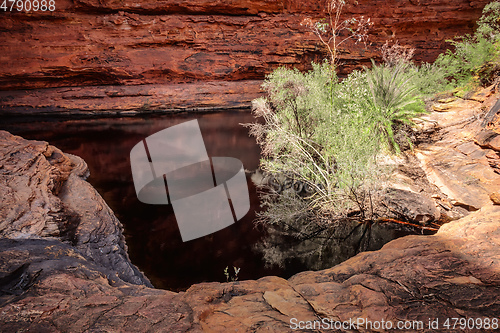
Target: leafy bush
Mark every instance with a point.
(430, 79)
(327, 134)
(427, 79)
(489, 23)
(393, 100)
(462, 65)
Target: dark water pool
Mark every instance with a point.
(151, 231)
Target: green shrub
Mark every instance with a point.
(327, 134)
(300, 99)
(430, 79)
(463, 65)
(489, 23)
(427, 79)
(393, 100)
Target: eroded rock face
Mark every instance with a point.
(31, 174)
(185, 51)
(43, 194)
(463, 161)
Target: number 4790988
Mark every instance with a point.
(28, 5)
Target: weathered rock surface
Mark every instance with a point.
(131, 100)
(85, 46)
(488, 139)
(448, 275)
(411, 206)
(54, 279)
(455, 161)
(43, 194)
(454, 273)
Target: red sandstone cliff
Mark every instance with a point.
(135, 54)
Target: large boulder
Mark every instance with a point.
(410, 206)
(44, 194)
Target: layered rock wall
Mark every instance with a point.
(127, 43)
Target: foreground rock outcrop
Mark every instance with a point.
(64, 266)
(44, 195)
(454, 273)
(106, 56)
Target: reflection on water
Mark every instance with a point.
(151, 231)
